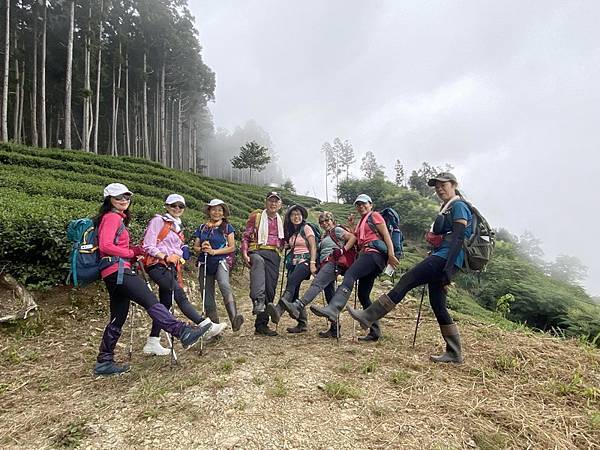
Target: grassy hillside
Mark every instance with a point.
(42, 190)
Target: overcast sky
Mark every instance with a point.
(508, 92)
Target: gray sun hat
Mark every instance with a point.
(216, 202)
(443, 177)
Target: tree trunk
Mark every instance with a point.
(87, 86)
(34, 130)
(98, 73)
(157, 140)
(20, 125)
(15, 133)
(145, 112)
(69, 75)
(179, 135)
(6, 71)
(163, 137)
(115, 115)
(127, 131)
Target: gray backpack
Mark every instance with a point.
(479, 248)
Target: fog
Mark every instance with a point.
(506, 92)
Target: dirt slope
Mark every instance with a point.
(516, 389)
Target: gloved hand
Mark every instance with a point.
(138, 250)
(337, 252)
(186, 252)
(173, 259)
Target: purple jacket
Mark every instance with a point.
(170, 245)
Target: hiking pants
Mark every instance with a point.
(264, 273)
(167, 281)
(134, 289)
(324, 281)
(430, 271)
(222, 279)
(365, 270)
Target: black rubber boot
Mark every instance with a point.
(335, 306)
(258, 306)
(236, 319)
(332, 332)
(213, 315)
(376, 311)
(453, 353)
(294, 308)
(264, 330)
(275, 311)
(302, 325)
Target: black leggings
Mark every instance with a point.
(167, 280)
(430, 271)
(133, 288)
(365, 270)
(296, 276)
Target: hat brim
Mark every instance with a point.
(432, 181)
(273, 196)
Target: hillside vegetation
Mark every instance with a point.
(44, 189)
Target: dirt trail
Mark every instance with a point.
(516, 389)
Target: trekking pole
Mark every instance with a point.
(283, 273)
(419, 316)
(203, 296)
(131, 320)
(173, 270)
(354, 321)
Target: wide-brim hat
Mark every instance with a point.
(217, 202)
(443, 177)
(300, 208)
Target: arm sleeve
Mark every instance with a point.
(106, 237)
(248, 234)
(151, 236)
(458, 236)
(308, 231)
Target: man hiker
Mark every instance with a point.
(262, 243)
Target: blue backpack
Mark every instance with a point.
(86, 263)
(392, 222)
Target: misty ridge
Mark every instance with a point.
(132, 80)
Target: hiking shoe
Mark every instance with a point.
(191, 334)
(153, 347)
(214, 328)
(299, 328)
(265, 331)
(109, 368)
(368, 338)
(258, 306)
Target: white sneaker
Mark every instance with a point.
(153, 347)
(214, 330)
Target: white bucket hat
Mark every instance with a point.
(114, 189)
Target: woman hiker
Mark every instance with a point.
(451, 227)
(336, 254)
(215, 243)
(375, 250)
(300, 264)
(123, 285)
(164, 244)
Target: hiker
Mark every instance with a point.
(335, 255)
(370, 263)
(215, 244)
(123, 285)
(166, 252)
(262, 243)
(451, 227)
(300, 263)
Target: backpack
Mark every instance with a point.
(478, 248)
(86, 263)
(392, 222)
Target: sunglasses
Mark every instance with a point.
(177, 205)
(123, 197)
